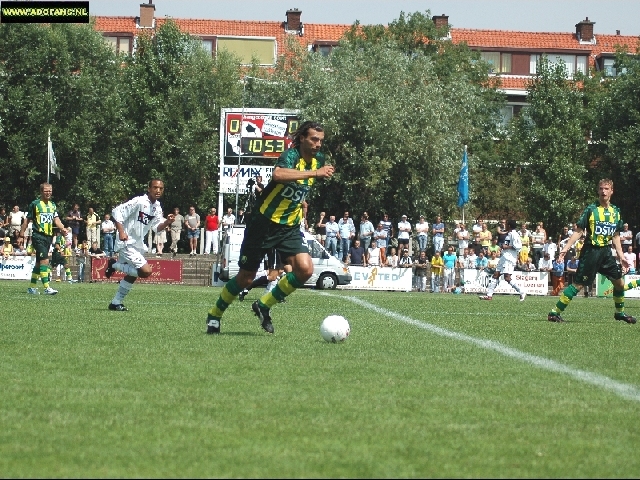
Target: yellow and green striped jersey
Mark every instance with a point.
(600, 224)
(42, 215)
(282, 202)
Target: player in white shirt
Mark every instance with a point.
(507, 263)
(133, 220)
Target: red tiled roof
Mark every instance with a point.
(496, 39)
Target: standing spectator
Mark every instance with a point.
(241, 217)
(404, 233)
(563, 238)
(366, 231)
(374, 258)
(346, 231)
(630, 257)
(485, 238)
(192, 224)
(571, 269)
(43, 213)
(557, 277)
(108, 234)
(550, 247)
(626, 237)
(321, 230)
(15, 220)
(256, 187)
(332, 236)
(537, 243)
(211, 225)
(421, 264)
(92, 222)
(388, 227)
(438, 234)
(176, 229)
(134, 219)
(4, 221)
(638, 242)
(381, 236)
(494, 248)
(356, 255)
(501, 231)
(228, 219)
(392, 258)
(437, 265)
(449, 259)
(161, 239)
(507, 263)
(525, 238)
(463, 239)
(475, 233)
(422, 230)
(74, 219)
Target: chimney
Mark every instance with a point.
(441, 21)
(146, 14)
(618, 32)
(293, 20)
(584, 30)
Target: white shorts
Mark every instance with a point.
(129, 254)
(505, 266)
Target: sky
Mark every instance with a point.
(523, 15)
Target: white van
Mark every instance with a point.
(328, 271)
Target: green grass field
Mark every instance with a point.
(427, 385)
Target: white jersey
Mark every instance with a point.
(137, 217)
(513, 240)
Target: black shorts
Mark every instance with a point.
(57, 258)
(403, 241)
(41, 244)
(274, 260)
(262, 235)
(595, 260)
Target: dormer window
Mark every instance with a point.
(323, 47)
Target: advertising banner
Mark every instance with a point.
(163, 271)
(380, 278)
(16, 268)
(233, 178)
(532, 283)
(604, 288)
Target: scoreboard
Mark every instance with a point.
(256, 133)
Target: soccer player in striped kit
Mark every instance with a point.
(275, 222)
(43, 214)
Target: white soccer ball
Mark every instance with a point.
(335, 328)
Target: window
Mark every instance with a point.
(207, 45)
(262, 49)
(608, 66)
(323, 47)
(573, 63)
(119, 44)
(507, 115)
(501, 62)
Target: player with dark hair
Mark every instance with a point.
(43, 213)
(507, 263)
(133, 220)
(275, 223)
(601, 223)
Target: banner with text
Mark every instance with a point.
(163, 271)
(16, 268)
(379, 278)
(532, 283)
(604, 288)
(232, 176)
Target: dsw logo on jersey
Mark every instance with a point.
(295, 194)
(144, 218)
(605, 229)
(46, 217)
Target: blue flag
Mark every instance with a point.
(463, 182)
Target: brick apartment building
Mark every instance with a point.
(514, 54)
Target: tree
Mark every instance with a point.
(549, 142)
(615, 108)
(399, 104)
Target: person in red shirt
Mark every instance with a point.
(211, 224)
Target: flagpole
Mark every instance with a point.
(48, 155)
(465, 151)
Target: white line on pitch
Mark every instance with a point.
(627, 391)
